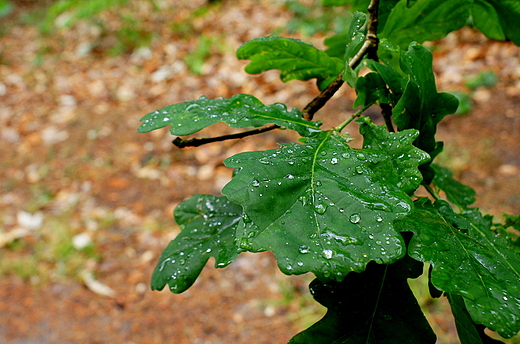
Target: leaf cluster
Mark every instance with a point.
(350, 215)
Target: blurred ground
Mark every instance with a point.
(86, 193)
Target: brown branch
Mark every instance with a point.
(199, 142)
(371, 41)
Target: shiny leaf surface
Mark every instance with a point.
(239, 111)
(318, 206)
(208, 225)
(294, 58)
(468, 260)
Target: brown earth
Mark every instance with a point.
(70, 152)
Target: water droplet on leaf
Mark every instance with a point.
(354, 218)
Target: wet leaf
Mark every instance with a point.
(401, 166)
(239, 111)
(294, 58)
(425, 20)
(318, 206)
(375, 306)
(468, 260)
(355, 38)
(468, 331)
(208, 225)
(456, 192)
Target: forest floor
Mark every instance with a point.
(90, 200)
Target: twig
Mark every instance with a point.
(199, 142)
(371, 40)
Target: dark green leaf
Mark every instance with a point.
(239, 111)
(456, 192)
(208, 225)
(421, 107)
(294, 58)
(370, 89)
(319, 206)
(498, 19)
(401, 166)
(468, 331)
(426, 20)
(355, 39)
(336, 45)
(372, 307)
(468, 260)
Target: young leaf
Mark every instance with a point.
(468, 331)
(375, 306)
(294, 58)
(401, 166)
(208, 225)
(239, 111)
(468, 260)
(425, 20)
(370, 89)
(456, 192)
(319, 206)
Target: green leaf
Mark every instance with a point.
(400, 168)
(456, 192)
(208, 225)
(421, 107)
(468, 331)
(375, 306)
(497, 19)
(294, 58)
(355, 39)
(370, 89)
(468, 260)
(426, 20)
(318, 206)
(239, 111)
(336, 45)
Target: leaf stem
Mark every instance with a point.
(358, 113)
(199, 142)
(369, 46)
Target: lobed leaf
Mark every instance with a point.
(468, 260)
(294, 58)
(355, 38)
(400, 168)
(375, 306)
(425, 20)
(208, 225)
(456, 192)
(468, 331)
(497, 19)
(239, 111)
(318, 206)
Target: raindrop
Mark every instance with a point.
(279, 183)
(334, 161)
(289, 176)
(327, 253)
(354, 218)
(208, 250)
(165, 119)
(320, 208)
(289, 267)
(318, 183)
(360, 156)
(300, 263)
(505, 298)
(304, 249)
(255, 183)
(379, 218)
(264, 161)
(341, 210)
(359, 169)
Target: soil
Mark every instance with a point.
(70, 154)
